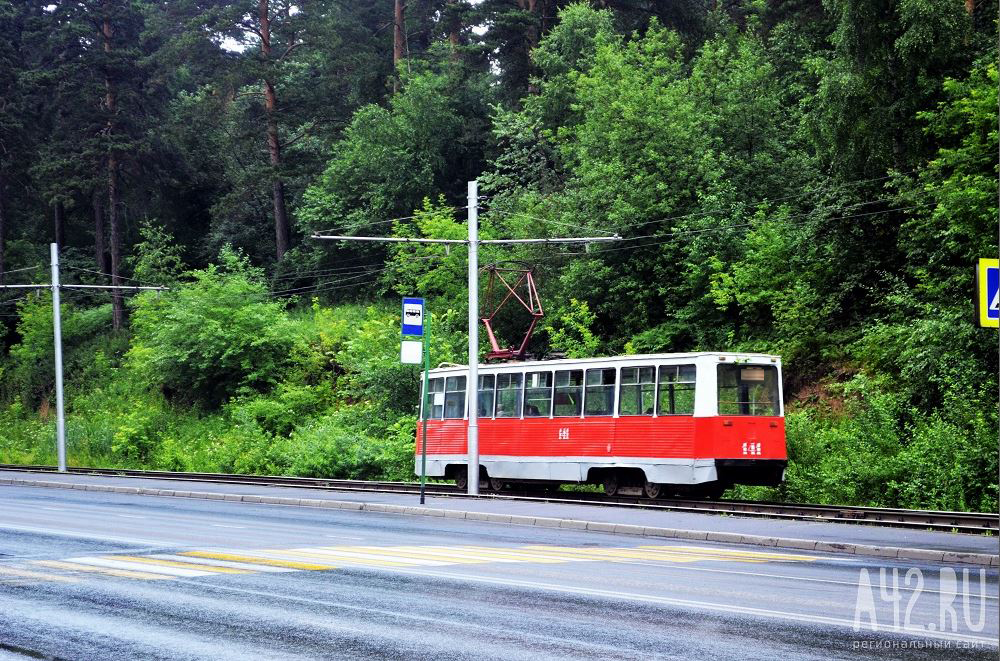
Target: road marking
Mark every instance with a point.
(415, 555)
(516, 555)
(55, 509)
(39, 576)
(132, 516)
(118, 564)
(122, 573)
(207, 562)
(344, 559)
(183, 565)
(222, 525)
(224, 563)
(255, 560)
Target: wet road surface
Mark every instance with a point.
(88, 575)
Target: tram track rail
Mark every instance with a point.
(958, 522)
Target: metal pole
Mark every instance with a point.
(57, 341)
(423, 404)
(472, 386)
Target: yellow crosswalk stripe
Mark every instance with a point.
(480, 554)
(344, 558)
(256, 560)
(524, 554)
(413, 552)
(183, 565)
(121, 573)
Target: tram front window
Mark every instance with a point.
(748, 390)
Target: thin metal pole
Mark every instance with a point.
(423, 406)
(472, 386)
(57, 341)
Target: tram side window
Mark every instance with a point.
(486, 383)
(600, 398)
(569, 393)
(677, 383)
(436, 398)
(508, 395)
(748, 390)
(537, 394)
(638, 391)
(454, 397)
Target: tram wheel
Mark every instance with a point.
(496, 484)
(611, 484)
(462, 478)
(652, 490)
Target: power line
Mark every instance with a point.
(108, 275)
(551, 222)
(669, 237)
(391, 220)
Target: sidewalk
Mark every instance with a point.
(857, 539)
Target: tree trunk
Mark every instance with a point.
(281, 228)
(100, 250)
(398, 39)
(59, 223)
(399, 31)
(531, 36)
(111, 101)
(3, 225)
(454, 29)
(970, 6)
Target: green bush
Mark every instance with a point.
(213, 338)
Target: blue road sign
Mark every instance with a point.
(988, 294)
(413, 316)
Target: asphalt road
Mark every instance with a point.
(88, 575)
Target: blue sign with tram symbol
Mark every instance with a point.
(413, 316)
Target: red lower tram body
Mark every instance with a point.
(695, 454)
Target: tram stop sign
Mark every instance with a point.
(988, 293)
(413, 316)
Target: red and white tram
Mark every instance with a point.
(661, 424)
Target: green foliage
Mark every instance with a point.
(813, 179)
(157, 258)
(570, 332)
(212, 338)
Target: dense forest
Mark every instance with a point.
(812, 178)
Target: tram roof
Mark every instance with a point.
(647, 357)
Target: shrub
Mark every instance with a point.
(215, 337)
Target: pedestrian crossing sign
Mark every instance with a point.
(988, 293)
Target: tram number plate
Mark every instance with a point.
(564, 433)
(751, 449)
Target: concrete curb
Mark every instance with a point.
(930, 555)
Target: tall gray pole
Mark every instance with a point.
(57, 341)
(472, 386)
